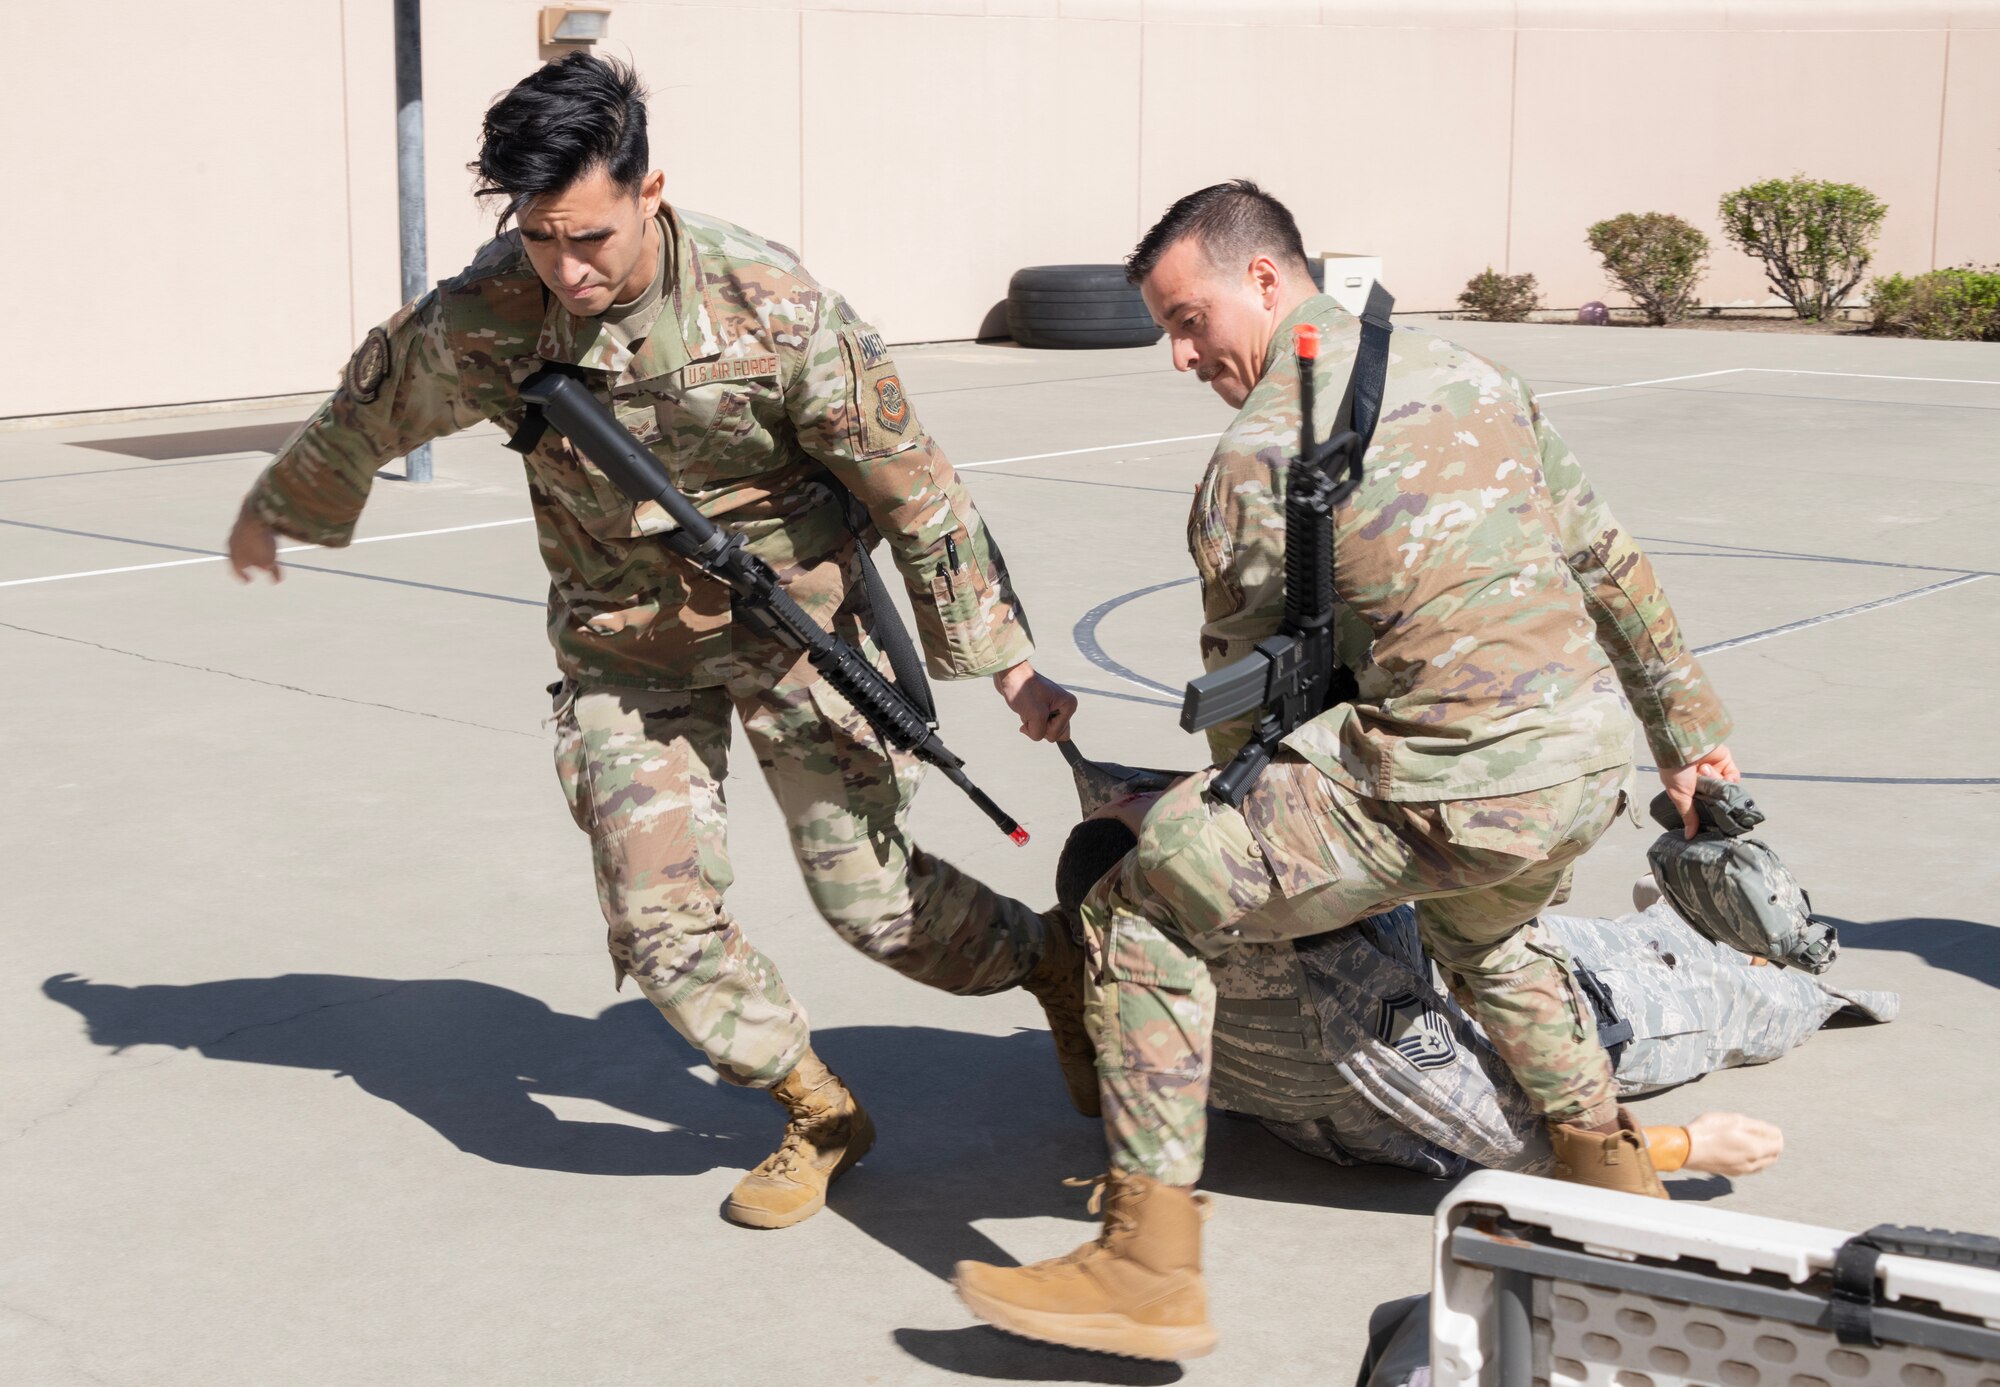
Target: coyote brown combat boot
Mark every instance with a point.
(1136, 1291)
(1057, 982)
(1609, 1160)
(828, 1132)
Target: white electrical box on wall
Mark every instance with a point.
(1349, 277)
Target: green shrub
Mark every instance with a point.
(1960, 304)
(1500, 298)
(1655, 258)
(1812, 236)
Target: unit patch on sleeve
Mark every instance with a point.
(892, 411)
(368, 367)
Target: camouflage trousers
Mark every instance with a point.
(643, 773)
(1304, 856)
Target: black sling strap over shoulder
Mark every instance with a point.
(1360, 410)
(888, 628)
(1361, 404)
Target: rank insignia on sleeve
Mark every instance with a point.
(369, 367)
(891, 409)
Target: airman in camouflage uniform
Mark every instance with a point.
(1492, 609)
(772, 404)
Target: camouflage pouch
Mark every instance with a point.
(1733, 888)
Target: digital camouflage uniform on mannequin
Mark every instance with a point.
(1344, 1046)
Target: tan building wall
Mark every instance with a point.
(204, 190)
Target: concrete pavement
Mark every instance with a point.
(313, 1073)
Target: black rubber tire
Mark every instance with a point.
(1077, 306)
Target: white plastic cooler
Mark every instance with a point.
(1538, 1282)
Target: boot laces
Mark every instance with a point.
(1117, 1218)
(804, 1127)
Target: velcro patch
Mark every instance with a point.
(873, 353)
(1417, 1033)
(368, 367)
(740, 368)
(892, 410)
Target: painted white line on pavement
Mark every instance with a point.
(101, 572)
(1822, 620)
(1762, 371)
(1141, 443)
(287, 549)
(1864, 375)
(1102, 448)
(1635, 384)
(419, 534)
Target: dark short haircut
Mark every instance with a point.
(1234, 221)
(1092, 849)
(556, 125)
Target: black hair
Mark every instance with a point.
(558, 123)
(1234, 221)
(1092, 849)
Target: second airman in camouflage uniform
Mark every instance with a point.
(1493, 610)
(772, 404)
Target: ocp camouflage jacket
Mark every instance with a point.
(756, 388)
(1493, 607)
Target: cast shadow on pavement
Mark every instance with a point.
(972, 1127)
(1957, 946)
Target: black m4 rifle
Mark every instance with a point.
(1292, 677)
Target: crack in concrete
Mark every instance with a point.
(269, 683)
(70, 1103)
(247, 1027)
(518, 953)
(204, 1045)
(64, 1331)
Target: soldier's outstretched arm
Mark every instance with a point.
(1683, 716)
(399, 390)
(847, 401)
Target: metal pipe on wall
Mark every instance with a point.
(410, 177)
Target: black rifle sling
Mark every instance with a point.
(1361, 404)
(1360, 408)
(888, 628)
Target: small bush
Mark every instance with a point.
(1500, 298)
(1960, 304)
(1812, 236)
(1655, 258)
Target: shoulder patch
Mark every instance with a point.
(892, 411)
(368, 367)
(873, 353)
